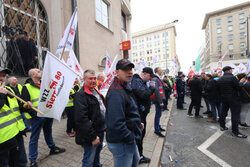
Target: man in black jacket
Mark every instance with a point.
(142, 95)
(122, 118)
(89, 120)
(196, 93)
(229, 88)
(180, 87)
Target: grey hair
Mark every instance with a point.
(88, 72)
(31, 71)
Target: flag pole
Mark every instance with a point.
(68, 35)
(18, 98)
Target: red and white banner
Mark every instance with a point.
(242, 68)
(108, 64)
(68, 35)
(57, 81)
(111, 74)
(73, 63)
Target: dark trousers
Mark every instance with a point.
(180, 100)
(158, 111)
(15, 157)
(234, 107)
(140, 142)
(70, 121)
(37, 124)
(197, 103)
(207, 103)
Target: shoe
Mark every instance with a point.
(190, 115)
(211, 120)
(223, 128)
(162, 130)
(56, 150)
(159, 134)
(244, 125)
(239, 135)
(198, 116)
(70, 134)
(33, 164)
(144, 160)
(207, 112)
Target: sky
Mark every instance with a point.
(190, 13)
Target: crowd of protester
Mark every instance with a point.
(121, 114)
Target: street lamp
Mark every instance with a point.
(167, 70)
(247, 51)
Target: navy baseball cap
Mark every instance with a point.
(227, 68)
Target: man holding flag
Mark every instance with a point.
(30, 93)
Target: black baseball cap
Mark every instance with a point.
(148, 70)
(6, 70)
(123, 63)
(227, 68)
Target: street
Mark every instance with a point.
(194, 142)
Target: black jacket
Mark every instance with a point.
(196, 88)
(180, 85)
(245, 93)
(211, 90)
(122, 117)
(26, 97)
(88, 117)
(229, 87)
(141, 93)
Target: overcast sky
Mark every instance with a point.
(190, 13)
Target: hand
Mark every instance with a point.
(96, 141)
(161, 104)
(28, 105)
(243, 80)
(182, 93)
(3, 89)
(142, 124)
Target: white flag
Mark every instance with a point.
(248, 66)
(235, 69)
(74, 64)
(242, 68)
(57, 81)
(108, 64)
(111, 74)
(68, 35)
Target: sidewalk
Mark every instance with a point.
(74, 153)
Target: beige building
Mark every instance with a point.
(225, 30)
(156, 45)
(102, 26)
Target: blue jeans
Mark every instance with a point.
(158, 111)
(91, 155)
(213, 109)
(37, 124)
(15, 157)
(124, 155)
(25, 122)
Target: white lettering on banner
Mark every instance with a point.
(57, 81)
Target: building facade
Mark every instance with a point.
(226, 32)
(102, 26)
(157, 46)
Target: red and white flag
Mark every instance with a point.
(74, 64)
(112, 73)
(68, 35)
(57, 81)
(222, 58)
(242, 68)
(108, 64)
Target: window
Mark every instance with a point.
(218, 39)
(218, 21)
(218, 30)
(159, 50)
(231, 56)
(230, 28)
(230, 37)
(166, 56)
(241, 16)
(242, 35)
(242, 25)
(230, 47)
(229, 18)
(242, 46)
(102, 13)
(124, 25)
